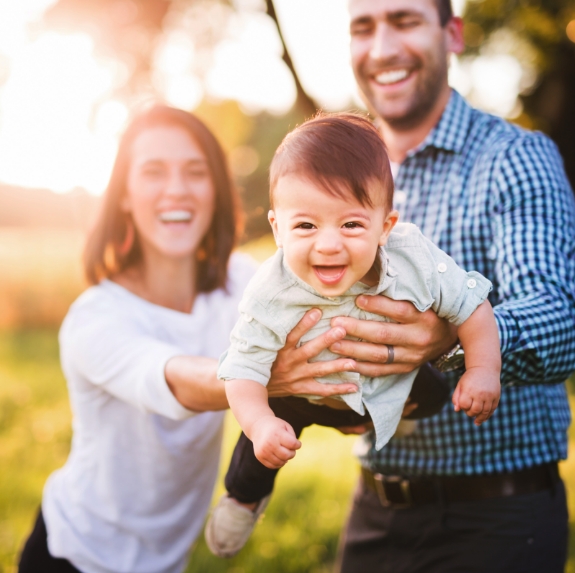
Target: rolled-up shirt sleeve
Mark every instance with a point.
(252, 352)
(456, 293)
(534, 256)
(110, 352)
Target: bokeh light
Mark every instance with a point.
(61, 112)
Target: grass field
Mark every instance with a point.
(301, 527)
(40, 278)
(298, 535)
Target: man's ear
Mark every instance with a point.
(388, 224)
(454, 43)
(274, 224)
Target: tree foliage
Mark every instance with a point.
(542, 34)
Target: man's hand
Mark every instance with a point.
(274, 440)
(416, 337)
(293, 374)
(477, 393)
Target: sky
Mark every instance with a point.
(59, 125)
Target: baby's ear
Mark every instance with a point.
(274, 224)
(390, 221)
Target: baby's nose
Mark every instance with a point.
(328, 242)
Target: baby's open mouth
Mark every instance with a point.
(329, 274)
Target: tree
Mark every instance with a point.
(128, 30)
(544, 40)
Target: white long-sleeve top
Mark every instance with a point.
(135, 489)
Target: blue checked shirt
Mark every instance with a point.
(495, 197)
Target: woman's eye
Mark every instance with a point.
(196, 173)
(152, 173)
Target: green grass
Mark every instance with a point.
(298, 535)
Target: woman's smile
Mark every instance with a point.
(176, 216)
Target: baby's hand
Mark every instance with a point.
(274, 441)
(477, 393)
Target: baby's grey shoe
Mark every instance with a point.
(230, 525)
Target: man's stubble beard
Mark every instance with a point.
(423, 100)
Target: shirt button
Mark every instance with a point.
(471, 283)
(441, 267)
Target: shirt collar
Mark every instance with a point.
(451, 131)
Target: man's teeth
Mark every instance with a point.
(391, 77)
(175, 216)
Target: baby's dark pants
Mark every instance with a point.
(248, 480)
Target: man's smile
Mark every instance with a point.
(389, 77)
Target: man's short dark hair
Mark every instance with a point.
(341, 152)
(445, 10)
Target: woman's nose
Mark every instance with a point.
(175, 185)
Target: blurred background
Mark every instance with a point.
(70, 73)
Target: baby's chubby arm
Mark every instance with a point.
(479, 389)
(274, 440)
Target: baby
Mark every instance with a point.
(331, 194)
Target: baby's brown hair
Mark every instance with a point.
(342, 152)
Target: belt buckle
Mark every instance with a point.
(381, 480)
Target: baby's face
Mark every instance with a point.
(329, 242)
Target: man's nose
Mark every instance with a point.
(384, 44)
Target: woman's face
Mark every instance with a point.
(170, 193)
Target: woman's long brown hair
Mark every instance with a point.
(102, 255)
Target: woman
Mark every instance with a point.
(139, 351)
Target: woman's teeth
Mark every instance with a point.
(178, 216)
(391, 77)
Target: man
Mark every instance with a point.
(452, 497)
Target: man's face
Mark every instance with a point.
(399, 54)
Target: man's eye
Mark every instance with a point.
(305, 226)
(407, 23)
(360, 30)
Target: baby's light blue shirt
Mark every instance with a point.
(412, 269)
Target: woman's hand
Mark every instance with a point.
(416, 337)
(293, 374)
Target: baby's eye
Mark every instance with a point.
(352, 225)
(306, 226)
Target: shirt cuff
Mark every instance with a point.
(505, 331)
(156, 394)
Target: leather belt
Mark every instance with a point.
(399, 491)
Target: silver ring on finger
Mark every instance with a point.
(390, 354)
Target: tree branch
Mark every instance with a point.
(304, 102)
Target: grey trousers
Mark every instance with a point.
(517, 534)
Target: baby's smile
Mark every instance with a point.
(330, 274)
